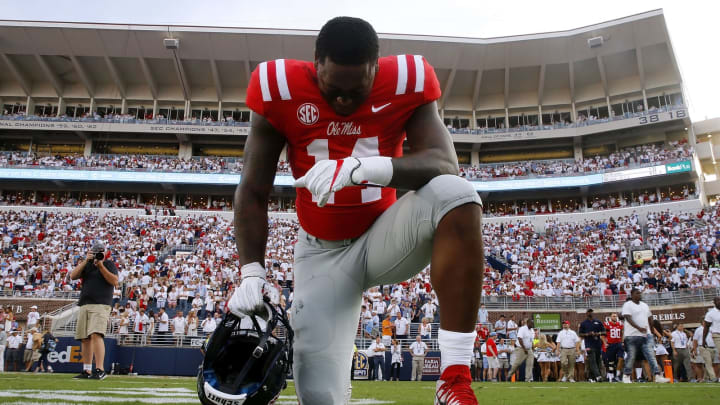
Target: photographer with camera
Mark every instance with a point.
(99, 277)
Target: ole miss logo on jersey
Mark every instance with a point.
(285, 92)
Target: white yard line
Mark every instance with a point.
(144, 392)
(54, 397)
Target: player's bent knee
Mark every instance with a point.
(446, 192)
(319, 397)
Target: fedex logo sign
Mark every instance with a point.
(72, 354)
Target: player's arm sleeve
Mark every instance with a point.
(258, 103)
(431, 88)
(254, 98)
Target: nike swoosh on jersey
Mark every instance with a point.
(376, 109)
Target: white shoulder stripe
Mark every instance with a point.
(282, 79)
(264, 86)
(419, 74)
(402, 75)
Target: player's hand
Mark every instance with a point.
(643, 330)
(326, 177)
(329, 176)
(248, 296)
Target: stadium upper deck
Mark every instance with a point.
(560, 95)
(603, 70)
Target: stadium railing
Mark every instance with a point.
(124, 120)
(169, 339)
(560, 125)
(165, 121)
(65, 295)
(597, 301)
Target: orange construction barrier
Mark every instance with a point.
(669, 370)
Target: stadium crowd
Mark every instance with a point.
(562, 260)
(625, 157)
(206, 164)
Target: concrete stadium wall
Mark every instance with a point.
(134, 212)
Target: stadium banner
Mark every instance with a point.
(67, 357)
(591, 127)
(547, 321)
(362, 366)
(678, 167)
(691, 314)
(634, 173)
(178, 361)
(431, 368)
(122, 127)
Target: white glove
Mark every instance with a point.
(248, 296)
(326, 177)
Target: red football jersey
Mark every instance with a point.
(614, 332)
(286, 93)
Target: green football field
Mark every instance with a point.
(60, 389)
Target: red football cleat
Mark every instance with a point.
(453, 387)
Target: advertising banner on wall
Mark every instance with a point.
(678, 167)
(547, 321)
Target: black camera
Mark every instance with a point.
(99, 256)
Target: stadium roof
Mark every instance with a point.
(110, 62)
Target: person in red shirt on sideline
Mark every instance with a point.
(614, 353)
(344, 119)
(491, 352)
(482, 332)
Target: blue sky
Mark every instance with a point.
(692, 23)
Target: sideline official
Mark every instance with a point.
(99, 278)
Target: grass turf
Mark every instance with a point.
(22, 388)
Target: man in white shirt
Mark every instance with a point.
(179, 326)
(14, 351)
(483, 315)
(429, 310)
(140, 326)
(512, 327)
(208, 325)
(568, 348)
(32, 317)
(163, 323)
(501, 327)
(402, 325)
(711, 324)
(704, 349)
(638, 336)
(418, 349)
(524, 352)
(377, 352)
(681, 353)
(504, 351)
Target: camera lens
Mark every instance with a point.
(99, 256)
